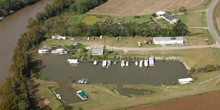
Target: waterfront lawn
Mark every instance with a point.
(76, 18)
(195, 58)
(45, 92)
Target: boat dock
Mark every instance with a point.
(144, 62)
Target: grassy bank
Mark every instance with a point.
(194, 19)
(195, 58)
(215, 18)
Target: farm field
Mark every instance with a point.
(199, 102)
(141, 7)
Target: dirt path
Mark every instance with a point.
(125, 49)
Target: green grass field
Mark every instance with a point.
(193, 19)
(195, 58)
(76, 18)
(91, 19)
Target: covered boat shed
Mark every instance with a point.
(185, 80)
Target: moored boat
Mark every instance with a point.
(104, 63)
(141, 63)
(95, 62)
(151, 61)
(136, 63)
(146, 63)
(127, 63)
(122, 63)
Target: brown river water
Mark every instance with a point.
(11, 28)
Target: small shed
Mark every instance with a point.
(185, 80)
(168, 40)
(97, 51)
(73, 61)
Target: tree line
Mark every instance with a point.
(13, 5)
(108, 28)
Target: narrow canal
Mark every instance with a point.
(11, 28)
(57, 69)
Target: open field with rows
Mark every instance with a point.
(140, 7)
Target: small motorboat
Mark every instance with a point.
(58, 96)
(127, 64)
(141, 63)
(136, 63)
(109, 63)
(146, 63)
(104, 63)
(95, 62)
(115, 62)
(122, 63)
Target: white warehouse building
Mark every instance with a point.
(168, 40)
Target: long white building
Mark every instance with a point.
(168, 40)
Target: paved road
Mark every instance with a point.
(199, 27)
(211, 22)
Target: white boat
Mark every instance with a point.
(127, 63)
(146, 63)
(109, 63)
(95, 62)
(141, 63)
(151, 61)
(122, 63)
(82, 81)
(1, 18)
(136, 63)
(58, 96)
(104, 63)
(115, 62)
(73, 61)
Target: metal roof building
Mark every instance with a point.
(167, 17)
(168, 40)
(97, 51)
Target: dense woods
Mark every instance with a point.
(109, 28)
(18, 90)
(13, 5)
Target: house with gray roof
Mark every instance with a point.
(97, 51)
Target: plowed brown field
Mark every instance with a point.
(209, 101)
(140, 7)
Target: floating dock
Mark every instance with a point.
(81, 95)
